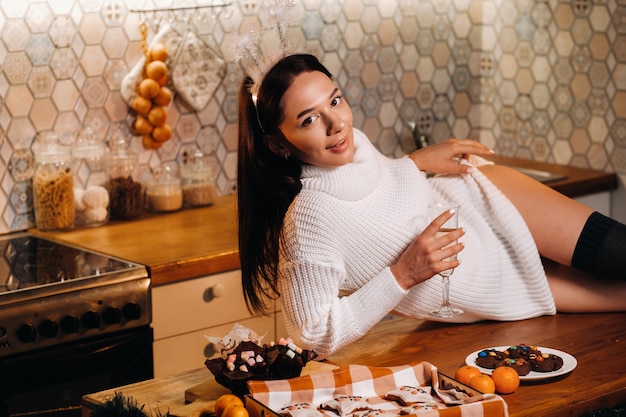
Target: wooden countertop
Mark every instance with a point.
(595, 340)
(173, 246)
(578, 181)
(202, 241)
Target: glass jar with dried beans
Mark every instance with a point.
(125, 192)
(53, 186)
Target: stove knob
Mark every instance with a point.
(26, 332)
(70, 324)
(48, 328)
(90, 319)
(112, 315)
(132, 311)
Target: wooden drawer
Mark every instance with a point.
(189, 351)
(195, 304)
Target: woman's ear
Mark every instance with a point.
(276, 146)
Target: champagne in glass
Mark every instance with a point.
(435, 210)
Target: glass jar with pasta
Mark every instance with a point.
(53, 186)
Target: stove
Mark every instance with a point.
(53, 293)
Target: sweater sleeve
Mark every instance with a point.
(319, 317)
(318, 313)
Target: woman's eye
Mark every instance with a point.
(308, 120)
(336, 101)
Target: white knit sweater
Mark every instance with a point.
(349, 224)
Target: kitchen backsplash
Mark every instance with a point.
(543, 80)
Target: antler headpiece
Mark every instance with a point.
(274, 16)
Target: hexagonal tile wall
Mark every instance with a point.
(535, 79)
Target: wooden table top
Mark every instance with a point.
(595, 340)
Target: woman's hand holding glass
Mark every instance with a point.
(426, 255)
(446, 310)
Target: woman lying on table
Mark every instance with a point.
(342, 234)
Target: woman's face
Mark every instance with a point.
(317, 121)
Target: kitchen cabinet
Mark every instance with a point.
(184, 312)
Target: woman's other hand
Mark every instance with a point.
(443, 157)
(425, 256)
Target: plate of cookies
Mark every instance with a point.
(532, 363)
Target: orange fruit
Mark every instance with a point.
(141, 105)
(235, 410)
(150, 143)
(465, 373)
(142, 125)
(163, 80)
(162, 133)
(157, 116)
(224, 401)
(164, 97)
(506, 379)
(483, 383)
(149, 88)
(158, 52)
(156, 70)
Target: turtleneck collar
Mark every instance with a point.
(349, 182)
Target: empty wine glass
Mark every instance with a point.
(435, 210)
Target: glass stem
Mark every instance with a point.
(446, 290)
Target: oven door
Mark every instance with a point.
(52, 382)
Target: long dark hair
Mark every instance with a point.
(266, 183)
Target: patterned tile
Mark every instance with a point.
(312, 25)
(538, 79)
(17, 68)
(63, 63)
(18, 100)
(39, 49)
(38, 17)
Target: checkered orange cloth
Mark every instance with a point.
(372, 383)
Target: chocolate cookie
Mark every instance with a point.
(523, 358)
(545, 362)
(521, 365)
(520, 351)
(490, 358)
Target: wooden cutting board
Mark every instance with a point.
(187, 394)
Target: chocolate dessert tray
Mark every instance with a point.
(365, 391)
(569, 363)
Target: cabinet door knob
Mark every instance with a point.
(216, 291)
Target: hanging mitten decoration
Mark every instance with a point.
(197, 71)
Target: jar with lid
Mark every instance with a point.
(91, 196)
(198, 182)
(125, 191)
(53, 185)
(164, 192)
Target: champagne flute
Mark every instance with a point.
(435, 210)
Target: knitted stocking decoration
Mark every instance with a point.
(601, 247)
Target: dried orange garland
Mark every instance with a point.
(153, 96)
